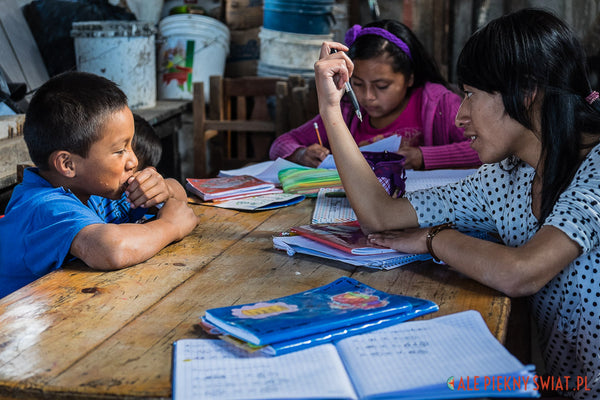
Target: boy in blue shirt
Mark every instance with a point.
(79, 130)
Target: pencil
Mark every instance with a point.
(318, 135)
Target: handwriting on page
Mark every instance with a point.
(208, 369)
(421, 354)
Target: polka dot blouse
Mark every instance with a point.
(497, 198)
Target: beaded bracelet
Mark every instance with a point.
(434, 230)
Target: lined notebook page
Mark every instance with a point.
(422, 354)
(214, 369)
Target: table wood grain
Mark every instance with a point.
(79, 333)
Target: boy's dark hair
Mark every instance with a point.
(422, 65)
(533, 50)
(67, 113)
(146, 143)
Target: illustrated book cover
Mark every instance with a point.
(293, 244)
(218, 188)
(342, 303)
(345, 236)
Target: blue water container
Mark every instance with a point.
(313, 17)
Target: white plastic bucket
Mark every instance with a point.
(193, 47)
(122, 51)
(289, 52)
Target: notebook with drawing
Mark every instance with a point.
(429, 359)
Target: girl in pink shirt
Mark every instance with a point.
(401, 92)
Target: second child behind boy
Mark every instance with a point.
(147, 148)
(79, 130)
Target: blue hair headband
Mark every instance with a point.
(357, 31)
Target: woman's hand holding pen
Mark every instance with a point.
(332, 71)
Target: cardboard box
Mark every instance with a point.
(243, 14)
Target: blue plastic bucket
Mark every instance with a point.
(313, 17)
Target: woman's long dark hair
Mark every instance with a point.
(422, 65)
(533, 50)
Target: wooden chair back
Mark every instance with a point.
(238, 125)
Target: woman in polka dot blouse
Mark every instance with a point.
(534, 120)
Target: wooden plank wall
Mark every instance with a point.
(445, 25)
(19, 54)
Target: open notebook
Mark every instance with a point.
(440, 358)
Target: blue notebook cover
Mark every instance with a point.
(336, 309)
(419, 307)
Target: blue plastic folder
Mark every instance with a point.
(339, 309)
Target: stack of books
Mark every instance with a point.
(342, 308)
(242, 192)
(229, 188)
(343, 242)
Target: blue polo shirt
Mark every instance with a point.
(37, 230)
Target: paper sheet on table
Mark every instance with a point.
(417, 180)
(266, 170)
(390, 143)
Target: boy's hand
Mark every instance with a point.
(180, 216)
(147, 188)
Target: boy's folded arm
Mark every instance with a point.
(116, 246)
(177, 191)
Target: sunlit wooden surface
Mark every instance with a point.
(79, 333)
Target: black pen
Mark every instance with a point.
(335, 194)
(350, 93)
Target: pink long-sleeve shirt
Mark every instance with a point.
(427, 121)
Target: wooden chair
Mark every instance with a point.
(237, 112)
(302, 100)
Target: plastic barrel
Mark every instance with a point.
(193, 47)
(122, 51)
(313, 17)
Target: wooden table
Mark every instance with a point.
(79, 333)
